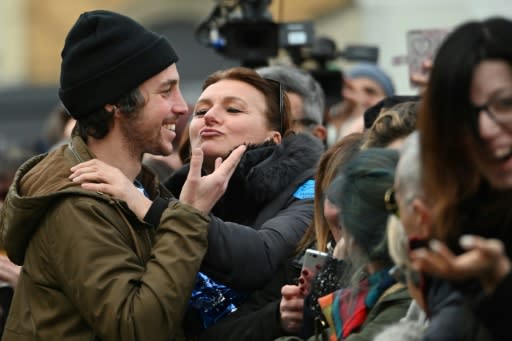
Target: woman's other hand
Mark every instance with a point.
(291, 308)
(485, 259)
(98, 176)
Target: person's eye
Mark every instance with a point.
(370, 91)
(233, 110)
(166, 92)
(200, 112)
(503, 104)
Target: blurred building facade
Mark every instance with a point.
(32, 31)
(32, 34)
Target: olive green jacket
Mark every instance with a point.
(91, 268)
(389, 309)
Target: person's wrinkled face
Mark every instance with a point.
(299, 124)
(491, 92)
(369, 92)
(227, 114)
(406, 214)
(151, 130)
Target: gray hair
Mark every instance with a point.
(301, 83)
(398, 242)
(408, 171)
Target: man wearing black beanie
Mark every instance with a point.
(94, 268)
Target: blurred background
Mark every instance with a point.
(210, 35)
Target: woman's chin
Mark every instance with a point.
(503, 182)
(213, 151)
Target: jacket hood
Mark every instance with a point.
(38, 185)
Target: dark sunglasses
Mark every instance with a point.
(280, 95)
(390, 202)
(306, 122)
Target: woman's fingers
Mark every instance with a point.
(81, 170)
(437, 260)
(487, 246)
(229, 165)
(289, 291)
(97, 187)
(291, 308)
(89, 177)
(93, 170)
(196, 163)
(484, 259)
(202, 192)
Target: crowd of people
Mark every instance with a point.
(143, 217)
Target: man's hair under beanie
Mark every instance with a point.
(105, 56)
(372, 71)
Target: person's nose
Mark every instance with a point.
(179, 105)
(211, 116)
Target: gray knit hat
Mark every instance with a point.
(372, 71)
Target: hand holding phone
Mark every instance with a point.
(422, 46)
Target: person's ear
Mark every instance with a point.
(276, 137)
(110, 108)
(422, 218)
(320, 132)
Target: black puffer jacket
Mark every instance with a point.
(258, 222)
(451, 316)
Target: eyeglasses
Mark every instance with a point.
(305, 122)
(280, 96)
(390, 202)
(499, 110)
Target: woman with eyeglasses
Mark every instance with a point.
(466, 144)
(268, 203)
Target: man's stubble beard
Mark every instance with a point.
(139, 141)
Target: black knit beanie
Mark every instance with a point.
(105, 56)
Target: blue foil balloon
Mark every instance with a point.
(213, 300)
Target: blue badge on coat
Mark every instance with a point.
(306, 190)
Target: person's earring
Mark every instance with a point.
(111, 108)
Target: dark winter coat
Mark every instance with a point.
(495, 310)
(258, 319)
(451, 316)
(258, 222)
(255, 228)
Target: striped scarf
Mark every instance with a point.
(346, 309)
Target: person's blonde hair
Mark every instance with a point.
(328, 167)
(392, 124)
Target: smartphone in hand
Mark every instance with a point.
(313, 261)
(422, 44)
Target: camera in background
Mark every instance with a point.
(245, 31)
